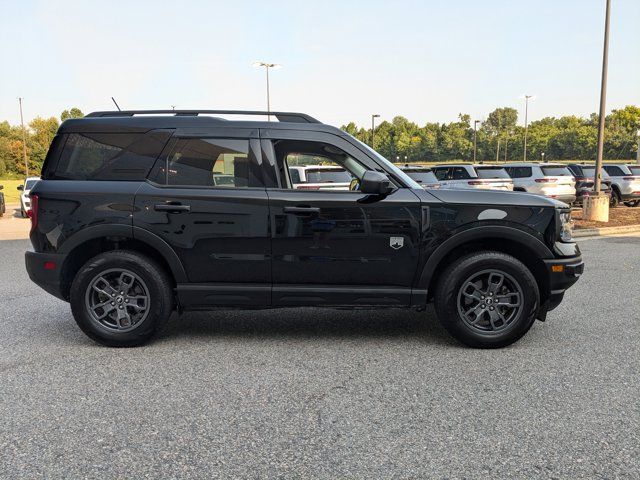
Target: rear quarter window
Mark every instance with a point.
(556, 172)
(109, 156)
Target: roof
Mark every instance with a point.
(145, 120)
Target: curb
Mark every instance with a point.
(604, 231)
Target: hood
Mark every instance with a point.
(495, 197)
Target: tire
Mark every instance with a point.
(23, 214)
(133, 324)
(452, 300)
(615, 199)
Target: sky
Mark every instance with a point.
(342, 60)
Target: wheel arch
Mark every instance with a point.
(521, 245)
(101, 238)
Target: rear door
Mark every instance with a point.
(338, 247)
(205, 197)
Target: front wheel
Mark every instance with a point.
(614, 201)
(487, 299)
(121, 298)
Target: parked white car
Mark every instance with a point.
(25, 200)
(625, 183)
(423, 175)
(552, 180)
(319, 177)
(485, 177)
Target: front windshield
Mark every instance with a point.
(396, 171)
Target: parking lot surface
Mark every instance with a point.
(325, 393)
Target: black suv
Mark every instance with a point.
(140, 213)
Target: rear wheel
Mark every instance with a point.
(121, 298)
(615, 199)
(487, 299)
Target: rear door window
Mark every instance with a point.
(109, 156)
(442, 173)
(556, 172)
(210, 162)
(491, 172)
(459, 173)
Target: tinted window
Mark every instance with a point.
(109, 156)
(519, 172)
(295, 175)
(211, 162)
(489, 172)
(29, 184)
(615, 171)
(422, 176)
(441, 173)
(460, 173)
(328, 176)
(556, 171)
(591, 171)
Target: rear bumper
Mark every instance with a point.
(562, 273)
(39, 267)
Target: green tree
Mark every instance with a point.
(72, 113)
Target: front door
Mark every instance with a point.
(205, 197)
(337, 247)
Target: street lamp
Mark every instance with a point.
(267, 66)
(542, 157)
(24, 139)
(373, 119)
(526, 122)
(475, 139)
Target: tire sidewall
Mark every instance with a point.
(160, 300)
(447, 299)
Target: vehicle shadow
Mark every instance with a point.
(302, 323)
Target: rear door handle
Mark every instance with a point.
(301, 210)
(172, 207)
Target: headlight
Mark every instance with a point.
(566, 226)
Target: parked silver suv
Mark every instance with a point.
(625, 182)
(552, 180)
(485, 177)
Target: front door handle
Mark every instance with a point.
(172, 207)
(301, 210)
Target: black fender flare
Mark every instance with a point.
(128, 231)
(480, 233)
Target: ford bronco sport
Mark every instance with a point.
(132, 221)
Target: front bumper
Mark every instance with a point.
(562, 273)
(44, 270)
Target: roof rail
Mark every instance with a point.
(281, 116)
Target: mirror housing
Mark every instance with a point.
(1, 187)
(20, 187)
(375, 183)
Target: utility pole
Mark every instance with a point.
(603, 101)
(506, 146)
(24, 139)
(596, 206)
(475, 139)
(526, 123)
(638, 151)
(373, 126)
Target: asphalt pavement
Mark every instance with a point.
(325, 393)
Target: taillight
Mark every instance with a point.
(33, 213)
(546, 180)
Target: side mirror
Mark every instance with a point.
(375, 183)
(20, 187)
(1, 187)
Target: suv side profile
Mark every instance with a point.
(625, 184)
(548, 179)
(130, 224)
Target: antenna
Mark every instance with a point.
(116, 103)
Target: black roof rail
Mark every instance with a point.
(281, 116)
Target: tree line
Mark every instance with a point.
(498, 137)
(39, 133)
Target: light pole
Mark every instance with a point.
(475, 139)
(24, 139)
(267, 66)
(526, 123)
(603, 101)
(373, 126)
(638, 151)
(542, 157)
